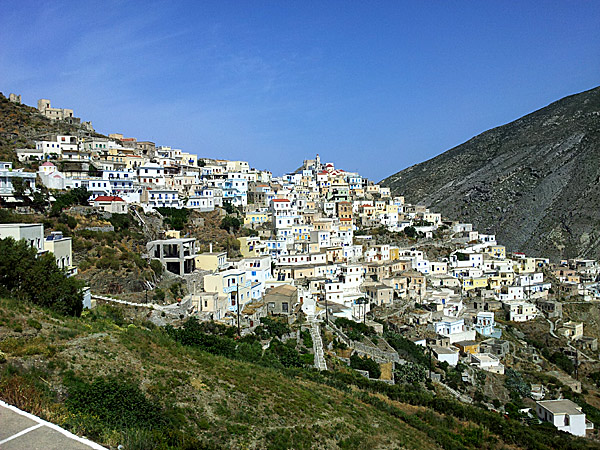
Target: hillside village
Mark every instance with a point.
(336, 257)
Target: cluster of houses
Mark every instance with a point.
(309, 251)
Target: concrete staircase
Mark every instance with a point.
(315, 334)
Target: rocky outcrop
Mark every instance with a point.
(534, 182)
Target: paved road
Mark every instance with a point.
(23, 431)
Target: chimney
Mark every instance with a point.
(210, 251)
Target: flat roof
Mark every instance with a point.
(443, 350)
(564, 406)
(466, 343)
(485, 358)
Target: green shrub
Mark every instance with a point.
(157, 267)
(356, 362)
(159, 295)
(34, 324)
(27, 276)
(77, 196)
(114, 403)
(120, 222)
(230, 223)
(176, 218)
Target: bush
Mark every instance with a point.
(516, 385)
(230, 223)
(120, 222)
(114, 403)
(410, 373)
(355, 330)
(70, 221)
(34, 324)
(176, 218)
(140, 262)
(25, 275)
(407, 348)
(159, 295)
(271, 327)
(157, 267)
(77, 196)
(356, 362)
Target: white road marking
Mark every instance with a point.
(21, 433)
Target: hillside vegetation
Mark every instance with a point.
(118, 379)
(534, 182)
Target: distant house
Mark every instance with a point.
(496, 347)
(454, 329)
(564, 415)
(211, 260)
(484, 323)
(110, 204)
(467, 347)
(571, 330)
(445, 354)
(281, 299)
(487, 362)
(520, 311)
(8, 175)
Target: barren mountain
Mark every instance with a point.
(534, 182)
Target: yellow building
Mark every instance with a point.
(257, 218)
(474, 283)
(211, 260)
(252, 246)
(394, 253)
(468, 347)
(525, 265)
(497, 251)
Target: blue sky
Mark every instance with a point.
(372, 86)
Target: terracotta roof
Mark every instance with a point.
(48, 164)
(106, 198)
(280, 200)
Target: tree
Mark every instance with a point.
(37, 279)
(40, 201)
(410, 232)
(19, 187)
(230, 223)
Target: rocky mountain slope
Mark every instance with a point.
(22, 125)
(534, 182)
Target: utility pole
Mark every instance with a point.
(237, 304)
(429, 362)
(326, 310)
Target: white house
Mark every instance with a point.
(520, 311)
(487, 362)
(110, 204)
(161, 198)
(445, 354)
(151, 173)
(8, 174)
(32, 233)
(454, 329)
(564, 415)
